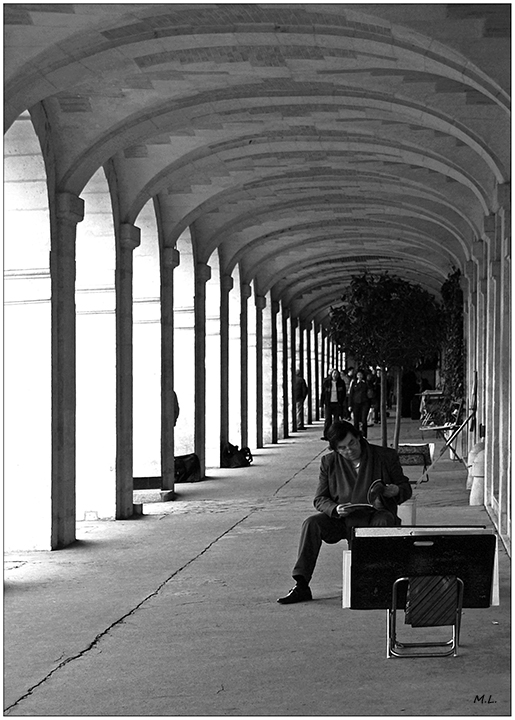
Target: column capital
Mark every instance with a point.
(478, 254)
(260, 301)
(276, 306)
(465, 283)
(130, 236)
(470, 268)
(471, 273)
(69, 207)
(495, 269)
(246, 291)
(202, 272)
(226, 283)
(504, 195)
(171, 257)
(489, 225)
(478, 246)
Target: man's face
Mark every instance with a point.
(349, 447)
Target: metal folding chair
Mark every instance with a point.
(431, 601)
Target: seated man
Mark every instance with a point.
(346, 476)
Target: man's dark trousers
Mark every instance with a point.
(320, 528)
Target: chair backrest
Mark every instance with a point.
(456, 412)
(415, 454)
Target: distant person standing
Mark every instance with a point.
(359, 402)
(374, 394)
(347, 377)
(377, 406)
(301, 392)
(333, 400)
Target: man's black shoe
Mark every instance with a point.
(296, 594)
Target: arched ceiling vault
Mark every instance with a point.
(303, 143)
(294, 278)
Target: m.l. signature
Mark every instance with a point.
(483, 699)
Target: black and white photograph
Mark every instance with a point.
(257, 364)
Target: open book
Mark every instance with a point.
(352, 507)
(374, 491)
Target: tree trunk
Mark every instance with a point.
(398, 412)
(384, 400)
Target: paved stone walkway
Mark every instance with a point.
(175, 613)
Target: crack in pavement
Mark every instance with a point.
(120, 620)
(298, 472)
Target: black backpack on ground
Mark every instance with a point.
(232, 457)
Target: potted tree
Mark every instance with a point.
(388, 322)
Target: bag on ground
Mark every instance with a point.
(232, 457)
(187, 468)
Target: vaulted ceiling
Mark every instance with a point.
(305, 142)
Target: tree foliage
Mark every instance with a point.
(453, 348)
(387, 321)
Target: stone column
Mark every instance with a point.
(316, 329)
(202, 275)
(468, 286)
(309, 379)
(226, 285)
(493, 383)
(260, 306)
(285, 384)
(504, 348)
(245, 293)
(170, 259)
(128, 241)
(69, 210)
(275, 383)
(268, 351)
(322, 355)
(491, 333)
(497, 411)
(293, 363)
(478, 254)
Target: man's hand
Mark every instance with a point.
(341, 510)
(390, 490)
